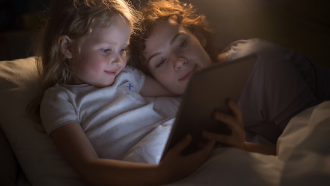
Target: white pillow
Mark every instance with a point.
(35, 152)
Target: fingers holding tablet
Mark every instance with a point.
(234, 122)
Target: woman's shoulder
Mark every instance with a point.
(247, 43)
(260, 47)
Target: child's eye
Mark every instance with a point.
(106, 50)
(122, 51)
(160, 63)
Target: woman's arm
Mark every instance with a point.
(237, 137)
(152, 88)
(222, 58)
(80, 154)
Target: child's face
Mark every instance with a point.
(102, 54)
(173, 54)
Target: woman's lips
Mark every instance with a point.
(188, 74)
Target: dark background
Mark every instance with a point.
(303, 25)
(19, 22)
(11, 12)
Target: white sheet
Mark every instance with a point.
(303, 156)
(225, 166)
(305, 148)
(231, 166)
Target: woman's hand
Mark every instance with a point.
(176, 166)
(237, 137)
(234, 122)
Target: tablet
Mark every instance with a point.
(207, 91)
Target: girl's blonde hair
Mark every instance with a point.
(74, 18)
(183, 13)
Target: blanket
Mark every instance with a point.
(303, 156)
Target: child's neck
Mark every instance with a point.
(75, 81)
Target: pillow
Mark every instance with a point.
(36, 154)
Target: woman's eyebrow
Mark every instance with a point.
(175, 37)
(154, 55)
(172, 41)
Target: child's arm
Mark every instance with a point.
(236, 138)
(152, 88)
(80, 154)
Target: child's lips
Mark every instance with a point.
(112, 72)
(188, 74)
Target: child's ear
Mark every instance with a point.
(66, 46)
(199, 35)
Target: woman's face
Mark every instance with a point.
(173, 54)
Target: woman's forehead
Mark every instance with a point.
(161, 36)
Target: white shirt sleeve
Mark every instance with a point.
(56, 109)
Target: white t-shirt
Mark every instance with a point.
(113, 118)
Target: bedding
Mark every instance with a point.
(303, 156)
(35, 152)
(303, 148)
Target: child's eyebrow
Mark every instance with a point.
(114, 43)
(106, 42)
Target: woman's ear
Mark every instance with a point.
(199, 35)
(66, 46)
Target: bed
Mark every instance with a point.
(28, 157)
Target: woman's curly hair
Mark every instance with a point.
(183, 13)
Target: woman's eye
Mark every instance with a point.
(160, 63)
(183, 44)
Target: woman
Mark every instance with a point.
(178, 42)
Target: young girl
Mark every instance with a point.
(91, 107)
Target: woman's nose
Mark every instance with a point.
(179, 62)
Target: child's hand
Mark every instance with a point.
(176, 166)
(234, 122)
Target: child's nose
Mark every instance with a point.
(117, 60)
